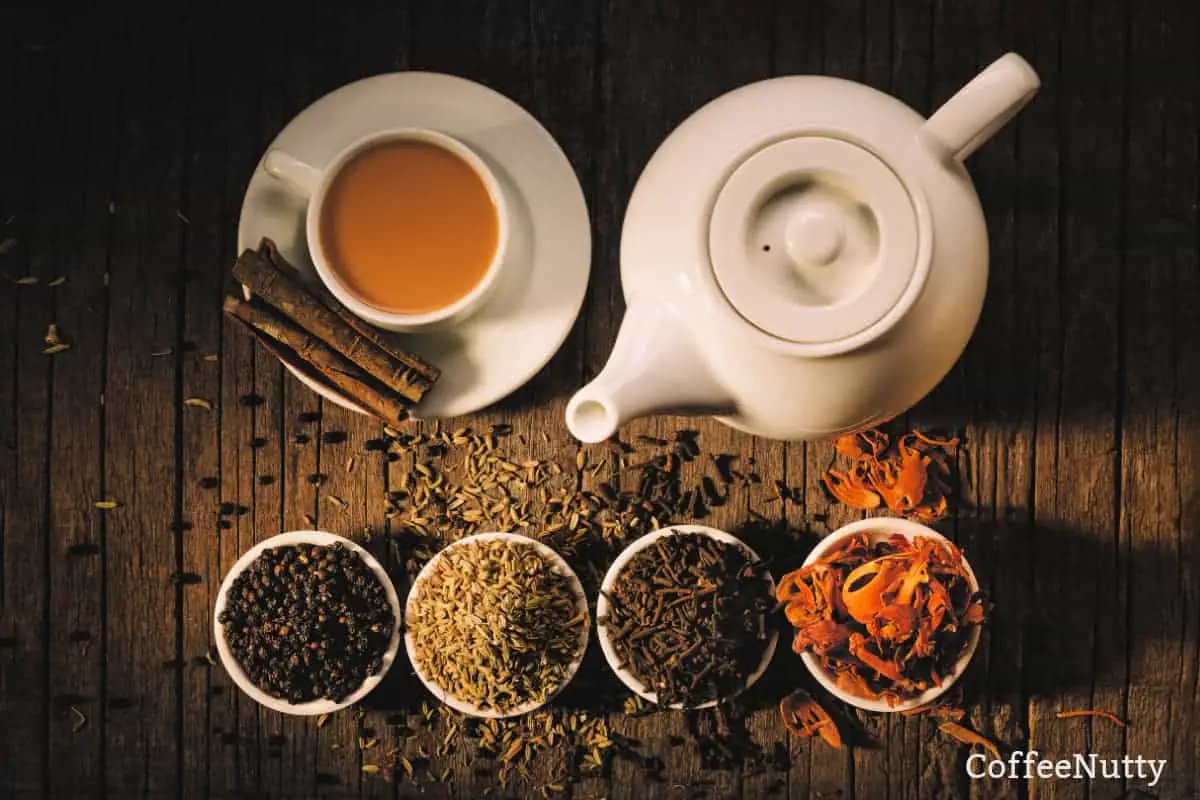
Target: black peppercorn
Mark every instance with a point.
(277, 618)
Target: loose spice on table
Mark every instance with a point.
(911, 475)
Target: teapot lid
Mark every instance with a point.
(816, 241)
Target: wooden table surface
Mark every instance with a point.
(126, 140)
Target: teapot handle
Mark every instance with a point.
(983, 106)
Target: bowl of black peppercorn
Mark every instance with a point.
(307, 622)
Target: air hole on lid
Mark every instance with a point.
(766, 248)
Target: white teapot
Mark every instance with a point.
(802, 257)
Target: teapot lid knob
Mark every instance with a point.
(815, 236)
(816, 241)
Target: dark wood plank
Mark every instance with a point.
(1018, 624)
(224, 724)
(223, 136)
(1179, 230)
(370, 476)
(12, 264)
(998, 369)
(26, 405)
(143, 409)
(26, 526)
(1161, 186)
(77, 198)
(1077, 457)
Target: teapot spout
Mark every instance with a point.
(655, 367)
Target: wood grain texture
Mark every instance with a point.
(222, 132)
(143, 411)
(998, 436)
(76, 622)
(25, 404)
(1082, 670)
(1161, 178)
(1078, 395)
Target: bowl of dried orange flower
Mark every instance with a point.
(887, 613)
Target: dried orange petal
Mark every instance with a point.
(887, 669)
(850, 446)
(847, 492)
(804, 716)
(938, 603)
(800, 614)
(862, 593)
(934, 440)
(909, 477)
(968, 736)
(874, 440)
(1093, 712)
(791, 584)
(916, 574)
(894, 623)
(851, 682)
(821, 637)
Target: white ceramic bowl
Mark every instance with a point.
(880, 527)
(445, 696)
(610, 578)
(323, 706)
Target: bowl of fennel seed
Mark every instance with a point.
(496, 625)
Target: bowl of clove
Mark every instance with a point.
(682, 616)
(887, 613)
(307, 622)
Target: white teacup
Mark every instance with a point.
(315, 182)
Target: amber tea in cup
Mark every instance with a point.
(409, 226)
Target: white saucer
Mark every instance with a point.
(528, 316)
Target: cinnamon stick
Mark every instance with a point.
(270, 251)
(269, 276)
(294, 345)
